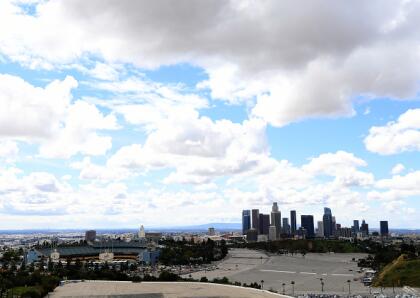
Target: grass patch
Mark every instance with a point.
(401, 272)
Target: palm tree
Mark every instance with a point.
(262, 284)
(283, 284)
(322, 284)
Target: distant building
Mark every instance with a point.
(384, 228)
(90, 235)
(307, 222)
(356, 228)
(327, 222)
(149, 257)
(276, 218)
(320, 229)
(272, 233)
(211, 231)
(255, 219)
(344, 232)
(293, 222)
(252, 235)
(285, 226)
(364, 228)
(246, 221)
(154, 237)
(264, 223)
(142, 233)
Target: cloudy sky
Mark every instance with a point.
(121, 113)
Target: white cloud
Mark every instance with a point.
(79, 133)
(34, 112)
(8, 150)
(396, 136)
(409, 182)
(145, 103)
(397, 169)
(49, 116)
(305, 61)
(199, 148)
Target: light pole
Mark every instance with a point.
(283, 284)
(322, 284)
(348, 281)
(293, 288)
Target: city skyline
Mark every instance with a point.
(278, 227)
(132, 113)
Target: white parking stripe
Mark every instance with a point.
(278, 271)
(307, 272)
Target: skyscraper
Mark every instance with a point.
(307, 222)
(264, 223)
(320, 232)
(255, 219)
(286, 227)
(327, 222)
(356, 228)
(384, 227)
(293, 222)
(272, 233)
(364, 228)
(246, 221)
(90, 236)
(276, 218)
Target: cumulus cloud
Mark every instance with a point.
(397, 169)
(34, 112)
(199, 148)
(49, 116)
(8, 150)
(396, 136)
(296, 62)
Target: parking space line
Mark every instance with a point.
(307, 273)
(278, 271)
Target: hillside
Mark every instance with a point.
(401, 272)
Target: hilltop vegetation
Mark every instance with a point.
(403, 271)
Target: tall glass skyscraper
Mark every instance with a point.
(307, 222)
(293, 222)
(356, 227)
(255, 219)
(384, 227)
(246, 221)
(276, 218)
(327, 222)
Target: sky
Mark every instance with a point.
(115, 113)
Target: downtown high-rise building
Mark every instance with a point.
(276, 218)
(293, 222)
(285, 226)
(307, 222)
(384, 228)
(272, 233)
(327, 220)
(320, 229)
(255, 217)
(264, 224)
(364, 228)
(356, 227)
(246, 221)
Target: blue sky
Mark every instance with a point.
(163, 119)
